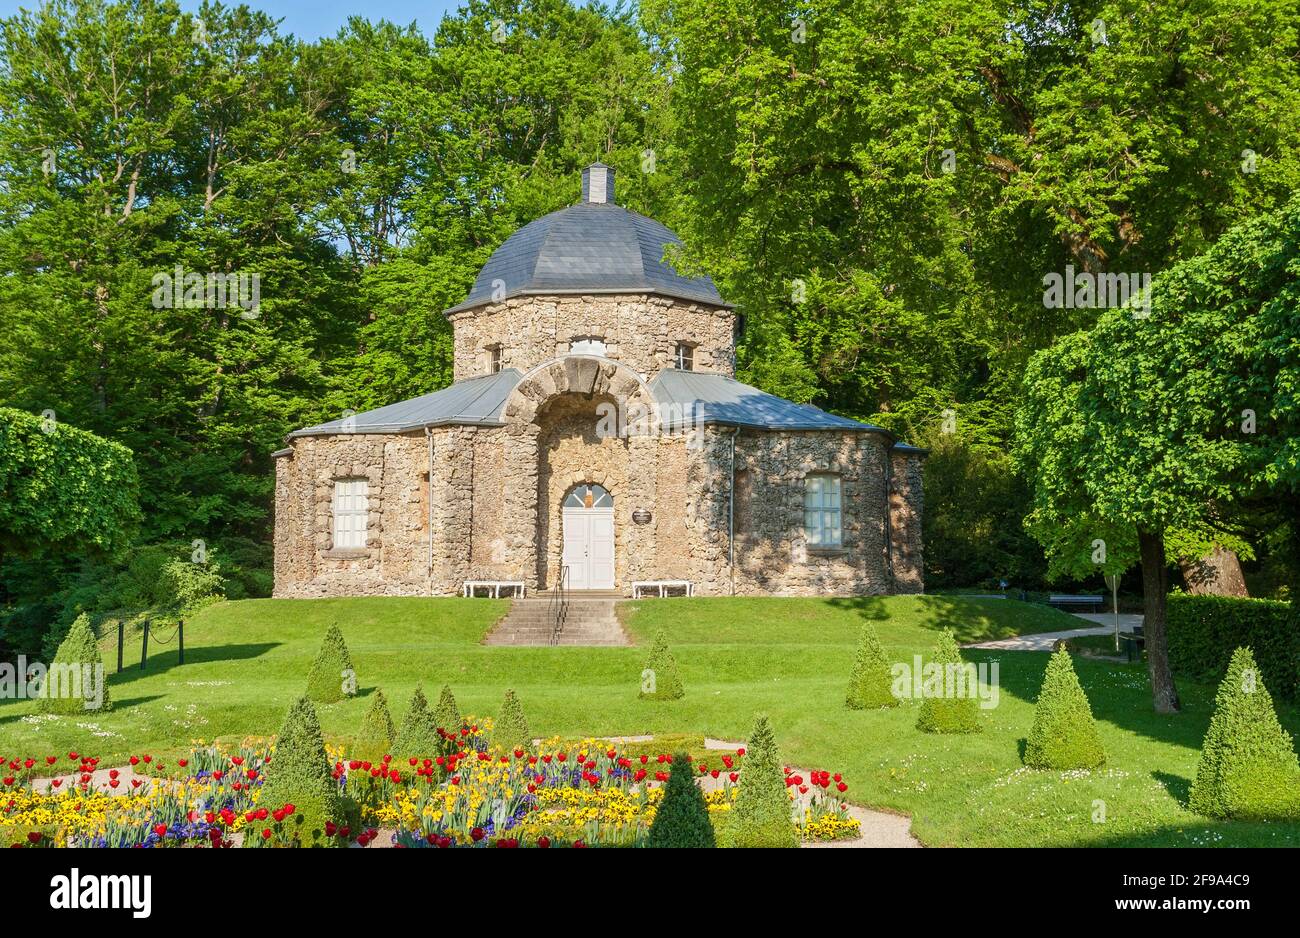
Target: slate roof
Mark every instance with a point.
(727, 401)
(702, 397)
(591, 247)
(475, 401)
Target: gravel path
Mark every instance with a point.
(1043, 641)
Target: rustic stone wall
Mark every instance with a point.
(640, 330)
(906, 503)
(497, 495)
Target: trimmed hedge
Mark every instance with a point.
(1248, 769)
(1204, 629)
(682, 819)
(299, 774)
(332, 676)
(375, 740)
(419, 733)
(871, 686)
(78, 652)
(511, 730)
(942, 714)
(661, 669)
(1064, 735)
(761, 815)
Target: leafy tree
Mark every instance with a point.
(660, 679)
(761, 814)
(870, 686)
(332, 676)
(1248, 768)
(1064, 735)
(376, 737)
(1148, 422)
(682, 818)
(299, 774)
(954, 708)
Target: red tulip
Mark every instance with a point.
(543, 841)
(182, 762)
(266, 833)
(841, 787)
(160, 830)
(734, 776)
(33, 837)
(50, 760)
(477, 834)
(56, 782)
(740, 752)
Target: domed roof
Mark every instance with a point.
(595, 246)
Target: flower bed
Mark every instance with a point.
(580, 794)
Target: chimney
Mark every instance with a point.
(598, 183)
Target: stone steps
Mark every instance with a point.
(588, 622)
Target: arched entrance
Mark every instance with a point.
(588, 523)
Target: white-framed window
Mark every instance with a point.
(684, 357)
(588, 345)
(821, 511)
(494, 359)
(351, 512)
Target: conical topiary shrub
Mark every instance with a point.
(1248, 770)
(511, 730)
(659, 679)
(447, 716)
(299, 774)
(375, 739)
(870, 687)
(682, 819)
(761, 816)
(332, 677)
(76, 681)
(1064, 735)
(419, 733)
(951, 696)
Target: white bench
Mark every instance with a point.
(494, 585)
(662, 587)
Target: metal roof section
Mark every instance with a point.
(475, 402)
(684, 398)
(714, 398)
(593, 247)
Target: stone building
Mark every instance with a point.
(595, 426)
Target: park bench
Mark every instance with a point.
(493, 587)
(661, 587)
(1073, 600)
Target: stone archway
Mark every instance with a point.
(572, 410)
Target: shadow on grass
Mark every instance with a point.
(1179, 788)
(91, 714)
(168, 660)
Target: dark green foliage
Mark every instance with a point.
(299, 774)
(377, 734)
(761, 816)
(1248, 768)
(659, 679)
(511, 729)
(1064, 735)
(68, 673)
(332, 676)
(419, 733)
(949, 709)
(1201, 628)
(447, 715)
(682, 819)
(871, 682)
(63, 490)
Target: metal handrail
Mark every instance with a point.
(558, 610)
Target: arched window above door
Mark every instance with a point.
(589, 496)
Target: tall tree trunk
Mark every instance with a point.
(1219, 574)
(1155, 589)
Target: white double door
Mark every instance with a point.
(589, 548)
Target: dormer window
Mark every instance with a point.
(494, 359)
(587, 345)
(684, 359)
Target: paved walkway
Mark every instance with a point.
(1043, 641)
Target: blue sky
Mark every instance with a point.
(311, 19)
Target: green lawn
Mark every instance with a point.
(790, 658)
